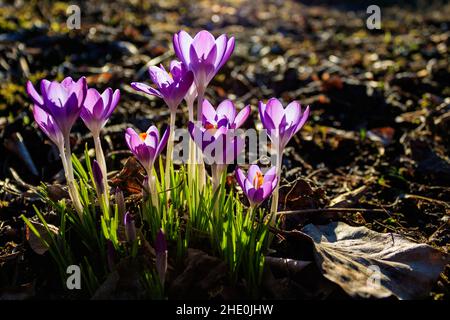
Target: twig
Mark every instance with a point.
(322, 210)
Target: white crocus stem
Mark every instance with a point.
(192, 149)
(100, 156)
(200, 164)
(152, 188)
(275, 195)
(169, 154)
(66, 157)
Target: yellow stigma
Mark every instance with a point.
(143, 136)
(258, 180)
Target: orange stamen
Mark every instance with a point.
(210, 126)
(258, 180)
(143, 136)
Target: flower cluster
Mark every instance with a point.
(59, 105)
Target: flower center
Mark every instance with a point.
(258, 180)
(143, 136)
(212, 127)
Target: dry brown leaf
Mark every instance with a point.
(366, 263)
(39, 245)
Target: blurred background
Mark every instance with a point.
(380, 98)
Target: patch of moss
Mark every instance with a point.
(11, 94)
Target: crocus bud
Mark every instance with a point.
(98, 177)
(110, 255)
(161, 255)
(130, 228)
(120, 201)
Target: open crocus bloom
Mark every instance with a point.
(172, 87)
(257, 186)
(48, 125)
(203, 54)
(282, 123)
(146, 146)
(63, 101)
(97, 108)
(219, 146)
(223, 116)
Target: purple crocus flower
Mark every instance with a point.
(172, 87)
(97, 108)
(47, 124)
(63, 101)
(282, 123)
(146, 146)
(219, 145)
(256, 185)
(224, 116)
(203, 54)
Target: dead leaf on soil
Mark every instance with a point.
(366, 263)
(39, 245)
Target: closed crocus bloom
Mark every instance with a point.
(203, 54)
(98, 177)
(146, 146)
(63, 101)
(48, 125)
(282, 123)
(97, 108)
(130, 227)
(256, 185)
(172, 87)
(224, 116)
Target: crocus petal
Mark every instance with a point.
(146, 89)
(208, 112)
(80, 90)
(160, 77)
(132, 139)
(37, 99)
(274, 111)
(106, 99)
(241, 117)
(184, 44)
(270, 174)
(292, 112)
(303, 119)
(221, 44)
(203, 43)
(92, 96)
(227, 54)
(226, 109)
(45, 84)
(48, 125)
(97, 110)
(67, 83)
(240, 177)
(56, 95)
(113, 103)
(163, 141)
(267, 189)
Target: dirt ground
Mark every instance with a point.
(378, 136)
